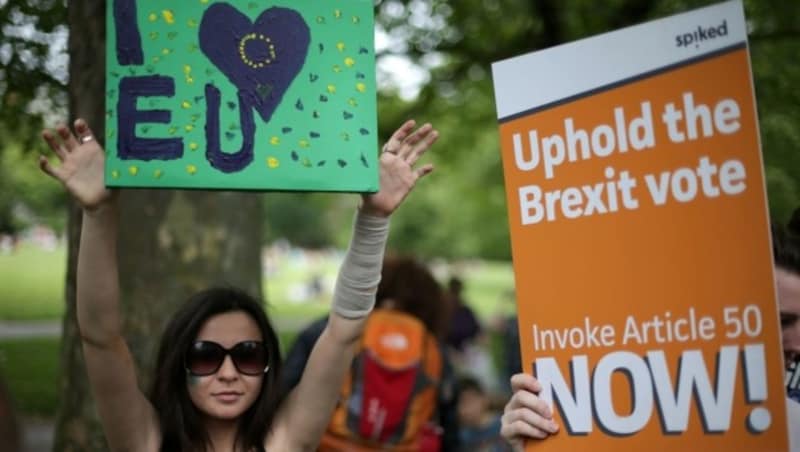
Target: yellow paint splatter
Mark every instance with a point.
(356, 19)
(153, 35)
(191, 169)
(275, 141)
(337, 13)
(340, 46)
(349, 62)
(273, 163)
(156, 59)
(337, 68)
(332, 89)
(186, 105)
(361, 87)
(115, 174)
(352, 102)
(193, 146)
(158, 173)
(152, 17)
(166, 51)
(320, 20)
(191, 23)
(204, 1)
(133, 170)
(304, 143)
(172, 130)
(189, 127)
(187, 69)
(169, 16)
(190, 80)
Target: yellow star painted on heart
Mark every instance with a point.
(258, 37)
(169, 16)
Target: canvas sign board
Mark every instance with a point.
(640, 236)
(275, 95)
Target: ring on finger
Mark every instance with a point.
(390, 151)
(86, 139)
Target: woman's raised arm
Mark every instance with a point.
(128, 419)
(307, 410)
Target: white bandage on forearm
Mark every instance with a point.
(354, 295)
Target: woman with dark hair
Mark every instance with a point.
(216, 375)
(181, 423)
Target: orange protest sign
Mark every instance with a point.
(640, 237)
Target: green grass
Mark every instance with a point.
(30, 370)
(288, 277)
(32, 282)
(488, 288)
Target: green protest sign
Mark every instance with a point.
(268, 95)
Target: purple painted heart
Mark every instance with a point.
(260, 58)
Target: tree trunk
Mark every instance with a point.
(171, 244)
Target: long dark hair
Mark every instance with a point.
(181, 424)
(414, 290)
(786, 248)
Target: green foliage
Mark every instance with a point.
(30, 369)
(461, 212)
(27, 196)
(299, 218)
(29, 65)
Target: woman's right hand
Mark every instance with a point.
(526, 416)
(82, 164)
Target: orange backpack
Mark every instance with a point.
(389, 401)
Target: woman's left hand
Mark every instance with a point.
(397, 173)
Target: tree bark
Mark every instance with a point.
(171, 244)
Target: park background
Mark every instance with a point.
(434, 60)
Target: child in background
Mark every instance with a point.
(480, 426)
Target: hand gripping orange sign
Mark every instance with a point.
(640, 237)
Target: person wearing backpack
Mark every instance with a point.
(400, 393)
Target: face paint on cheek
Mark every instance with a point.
(194, 380)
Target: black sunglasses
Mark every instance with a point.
(205, 358)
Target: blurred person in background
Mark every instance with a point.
(480, 425)
(400, 392)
